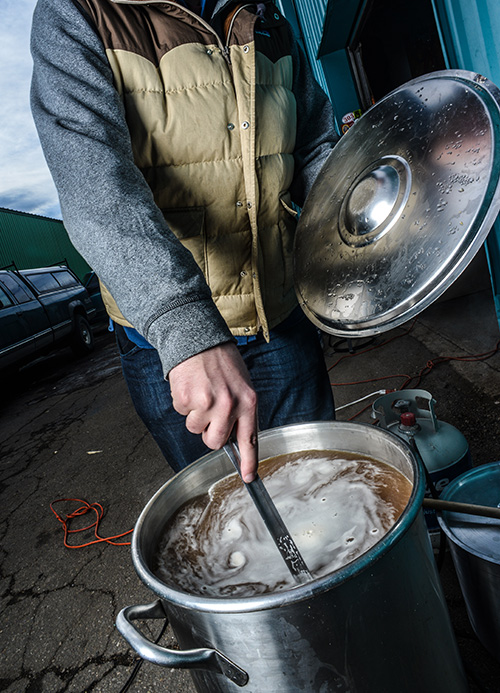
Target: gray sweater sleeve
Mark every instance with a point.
(107, 206)
(316, 134)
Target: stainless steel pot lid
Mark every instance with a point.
(401, 206)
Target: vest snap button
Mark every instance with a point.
(247, 330)
(245, 125)
(249, 205)
(209, 51)
(243, 273)
(230, 126)
(239, 204)
(245, 49)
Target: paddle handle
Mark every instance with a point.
(272, 519)
(466, 508)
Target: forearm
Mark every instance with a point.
(108, 208)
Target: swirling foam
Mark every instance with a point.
(335, 505)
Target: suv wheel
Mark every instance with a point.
(82, 341)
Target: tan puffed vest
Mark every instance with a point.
(213, 131)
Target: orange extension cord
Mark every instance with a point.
(82, 510)
(97, 508)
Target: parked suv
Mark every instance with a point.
(42, 308)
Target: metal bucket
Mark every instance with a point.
(475, 547)
(380, 623)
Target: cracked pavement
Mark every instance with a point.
(68, 430)
(58, 605)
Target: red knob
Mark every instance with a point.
(408, 419)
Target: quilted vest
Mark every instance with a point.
(213, 127)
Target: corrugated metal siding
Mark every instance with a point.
(470, 32)
(311, 16)
(29, 241)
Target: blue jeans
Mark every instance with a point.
(288, 374)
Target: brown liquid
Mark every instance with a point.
(336, 505)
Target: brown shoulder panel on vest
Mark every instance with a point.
(129, 27)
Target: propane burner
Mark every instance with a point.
(375, 201)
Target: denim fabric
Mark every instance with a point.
(288, 373)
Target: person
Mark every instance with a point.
(180, 136)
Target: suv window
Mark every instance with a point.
(91, 282)
(65, 278)
(5, 299)
(16, 289)
(43, 282)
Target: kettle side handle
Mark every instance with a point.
(200, 658)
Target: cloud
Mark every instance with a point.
(25, 181)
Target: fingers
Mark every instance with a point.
(246, 437)
(213, 390)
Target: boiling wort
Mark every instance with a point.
(336, 506)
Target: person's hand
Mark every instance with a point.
(214, 392)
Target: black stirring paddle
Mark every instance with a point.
(272, 519)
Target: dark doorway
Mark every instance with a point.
(397, 40)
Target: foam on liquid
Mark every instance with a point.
(335, 505)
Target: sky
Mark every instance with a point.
(25, 181)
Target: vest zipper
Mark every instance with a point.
(225, 50)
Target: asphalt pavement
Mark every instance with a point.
(68, 430)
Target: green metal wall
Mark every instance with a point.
(307, 20)
(330, 65)
(471, 36)
(27, 240)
